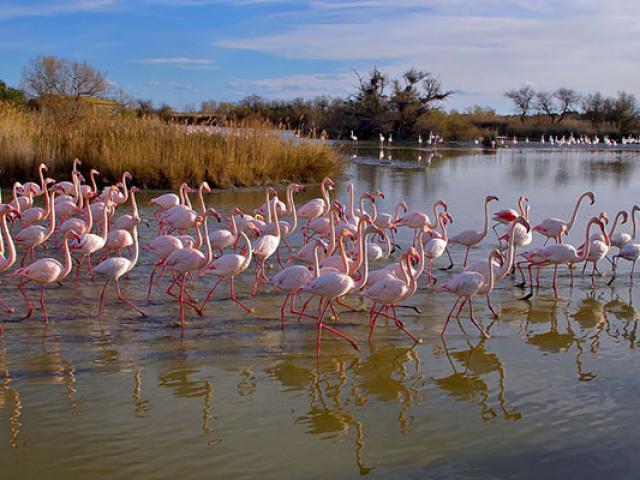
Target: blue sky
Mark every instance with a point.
(186, 51)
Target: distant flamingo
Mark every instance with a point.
(115, 267)
(470, 238)
(45, 271)
(556, 228)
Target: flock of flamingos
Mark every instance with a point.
(341, 242)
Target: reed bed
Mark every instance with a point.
(157, 154)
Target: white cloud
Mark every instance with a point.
(175, 61)
(46, 8)
(480, 47)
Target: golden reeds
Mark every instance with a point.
(158, 155)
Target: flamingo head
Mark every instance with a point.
(328, 183)
(491, 198)
(127, 176)
(188, 189)
(635, 208)
(604, 217)
(254, 229)
(93, 172)
(205, 186)
(80, 177)
(212, 212)
(624, 215)
(76, 162)
(43, 167)
(592, 197)
(447, 217)
(404, 207)
(379, 193)
(297, 187)
(370, 197)
(272, 191)
(414, 255)
(441, 203)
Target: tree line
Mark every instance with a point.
(406, 107)
(621, 112)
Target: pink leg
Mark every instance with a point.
(234, 299)
(401, 326)
(466, 256)
(446, 323)
(210, 294)
(43, 307)
(553, 283)
(128, 302)
(493, 312)
(181, 300)
(473, 320)
(153, 272)
(304, 308)
(24, 295)
(283, 309)
(101, 307)
(257, 279)
(8, 308)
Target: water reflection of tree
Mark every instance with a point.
(469, 383)
(624, 311)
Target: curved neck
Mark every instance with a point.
(633, 222)
(207, 240)
(399, 206)
(422, 261)
(41, 173)
(198, 236)
(492, 273)
(134, 205)
(187, 202)
(68, 265)
(617, 218)
(52, 218)
(15, 196)
(352, 212)
(332, 233)
(343, 255)
(275, 217)
(291, 206)
(93, 181)
(234, 228)
(201, 199)
(181, 193)
(443, 228)
(511, 253)
(325, 197)
(485, 229)
(125, 189)
(134, 258)
(316, 260)
(365, 250)
(249, 253)
(47, 201)
(89, 222)
(575, 212)
(11, 248)
(587, 243)
(268, 204)
(105, 223)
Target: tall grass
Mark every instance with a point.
(157, 154)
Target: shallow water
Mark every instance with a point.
(552, 393)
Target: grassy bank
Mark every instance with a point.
(157, 154)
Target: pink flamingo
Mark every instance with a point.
(555, 228)
(318, 207)
(70, 187)
(37, 189)
(114, 268)
(470, 238)
(386, 221)
(389, 292)
(34, 215)
(6, 262)
(229, 266)
(188, 260)
(465, 285)
(35, 235)
(509, 215)
(45, 271)
(435, 247)
(182, 219)
(89, 243)
(333, 285)
(264, 247)
(619, 240)
(558, 254)
(161, 247)
(90, 191)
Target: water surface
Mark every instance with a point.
(551, 394)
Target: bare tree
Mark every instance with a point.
(593, 107)
(432, 90)
(522, 100)
(63, 81)
(545, 104)
(568, 100)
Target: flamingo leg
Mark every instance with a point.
(446, 323)
(101, 307)
(43, 307)
(553, 283)
(257, 279)
(234, 299)
(304, 308)
(153, 272)
(128, 302)
(283, 309)
(401, 326)
(490, 305)
(181, 299)
(466, 256)
(210, 294)
(26, 299)
(373, 316)
(8, 308)
(473, 320)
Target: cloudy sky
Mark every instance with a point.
(186, 51)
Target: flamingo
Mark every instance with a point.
(318, 207)
(435, 247)
(470, 238)
(115, 267)
(34, 215)
(555, 228)
(90, 191)
(629, 252)
(265, 246)
(33, 187)
(45, 271)
(354, 139)
(509, 215)
(558, 254)
(621, 239)
(333, 285)
(465, 285)
(229, 266)
(223, 238)
(35, 235)
(161, 247)
(89, 243)
(6, 262)
(66, 186)
(187, 260)
(389, 292)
